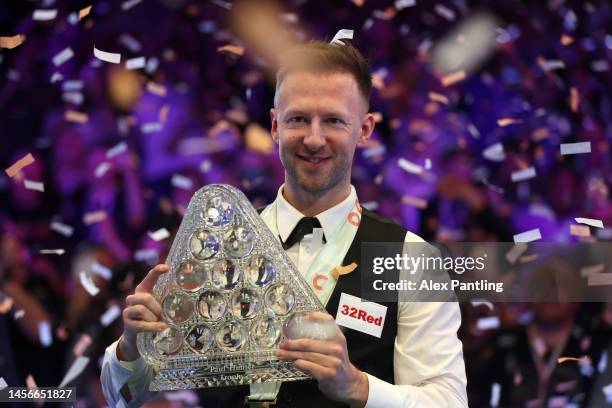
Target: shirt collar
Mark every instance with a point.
(287, 216)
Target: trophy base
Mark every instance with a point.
(171, 379)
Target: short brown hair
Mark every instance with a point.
(318, 56)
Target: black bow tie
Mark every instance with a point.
(304, 227)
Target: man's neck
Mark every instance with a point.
(311, 204)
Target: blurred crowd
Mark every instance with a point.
(462, 151)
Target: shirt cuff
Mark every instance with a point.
(122, 370)
(382, 394)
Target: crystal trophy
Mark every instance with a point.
(229, 292)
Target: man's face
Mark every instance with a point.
(319, 120)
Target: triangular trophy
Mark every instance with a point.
(230, 289)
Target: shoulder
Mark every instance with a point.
(378, 221)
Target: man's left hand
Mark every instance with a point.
(328, 362)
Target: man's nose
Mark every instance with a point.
(315, 139)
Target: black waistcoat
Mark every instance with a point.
(368, 353)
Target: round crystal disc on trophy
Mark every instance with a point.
(167, 342)
(211, 305)
(260, 271)
(225, 274)
(245, 303)
(177, 308)
(231, 336)
(191, 275)
(204, 244)
(279, 299)
(266, 332)
(218, 212)
(303, 325)
(199, 338)
(239, 241)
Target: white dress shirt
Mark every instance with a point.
(428, 357)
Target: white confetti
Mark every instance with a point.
(205, 166)
(19, 314)
(152, 64)
(72, 85)
(374, 151)
(116, 150)
(445, 12)
(551, 65)
(607, 390)
(34, 185)
(150, 256)
(180, 181)
(402, 4)
(151, 127)
(3, 383)
(575, 148)
(111, 57)
(63, 229)
(63, 56)
(600, 66)
(590, 221)
(88, 284)
(603, 361)
(75, 369)
(102, 169)
(370, 205)
(600, 279)
(56, 77)
(495, 394)
(487, 323)
(524, 174)
(528, 236)
(494, 152)
(110, 315)
(427, 164)
(409, 166)
(479, 302)
(585, 271)
(343, 34)
(135, 63)
(44, 333)
(126, 5)
(159, 235)
(75, 98)
(515, 252)
(53, 251)
(44, 15)
(130, 42)
(103, 271)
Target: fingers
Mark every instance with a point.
(334, 348)
(138, 326)
(324, 360)
(146, 286)
(140, 312)
(147, 300)
(318, 372)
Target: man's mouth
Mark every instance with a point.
(313, 159)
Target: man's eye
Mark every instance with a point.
(335, 121)
(296, 119)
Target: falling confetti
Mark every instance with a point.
(507, 122)
(62, 56)
(34, 185)
(110, 315)
(515, 252)
(88, 284)
(600, 279)
(159, 235)
(528, 236)
(75, 370)
(126, 5)
(113, 58)
(414, 201)
(63, 229)
(343, 270)
(453, 78)
(135, 63)
(343, 34)
(523, 175)
(575, 148)
(44, 15)
(409, 166)
(232, 49)
(20, 164)
(580, 230)
(12, 42)
(84, 12)
(81, 345)
(436, 97)
(116, 150)
(156, 89)
(94, 217)
(589, 221)
(44, 333)
(76, 117)
(488, 323)
(588, 270)
(52, 251)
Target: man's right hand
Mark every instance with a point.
(141, 314)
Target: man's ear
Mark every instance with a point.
(367, 127)
(274, 126)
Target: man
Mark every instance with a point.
(320, 116)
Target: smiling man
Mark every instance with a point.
(399, 354)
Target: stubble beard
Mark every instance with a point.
(313, 182)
